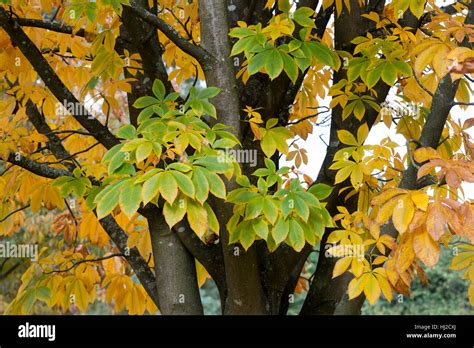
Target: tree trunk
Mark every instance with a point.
(175, 271)
(245, 293)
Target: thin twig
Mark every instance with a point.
(75, 264)
(14, 212)
(422, 86)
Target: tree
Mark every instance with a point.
(155, 181)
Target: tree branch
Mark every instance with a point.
(201, 55)
(53, 26)
(37, 168)
(133, 256)
(54, 143)
(75, 264)
(14, 212)
(52, 81)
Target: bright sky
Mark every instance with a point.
(316, 142)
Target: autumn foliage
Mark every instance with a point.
(149, 137)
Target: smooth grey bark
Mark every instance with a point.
(244, 288)
(175, 271)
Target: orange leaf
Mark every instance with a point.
(425, 248)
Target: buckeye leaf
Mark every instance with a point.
(168, 186)
(130, 198)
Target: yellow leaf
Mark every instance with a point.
(424, 154)
(420, 199)
(357, 177)
(362, 133)
(343, 173)
(79, 294)
(202, 274)
(372, 288)
(341, 266)
(462, 260)
(384, 285)
(385, 195)
(197, 217)
(403, 213)
(386, 211)
(405, 254)
(424, 58)
(425, 248)
(357, 285)
(347, 138)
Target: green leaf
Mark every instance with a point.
(287, 205)
(290, 67)
(320, 191)
(268, 145)
(185, 184)
(209, 92)
(260, 228)
(280, 232)
(374, 76)
(247, 235)
(175, 212)
(257, 62)
(309, 234)
(296, 235)
(209, 109)
(159, 89)
(127, 132)
(130, 198)
(403, 67)
(212, 219)
(29, 297)
(309, 199)
(274, 64)
(91, 11)
(182, 167)
(108, 203)
(389, 74)
(302, 17)
(270, 209)
(243, 181)
(240, 32)
(241, 196)
(146, 176)
(216, 184)
(116, 162)
(214, 164)
(262, 186)
(321, 52)
(143, 102)
(253, 209)
(151, 188)
(143, 151)
(168, 186)
(201, 185)
(301, 208)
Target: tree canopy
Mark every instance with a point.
(143, 145)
